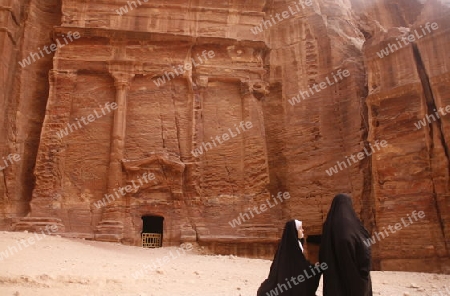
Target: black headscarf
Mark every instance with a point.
(289, 262)
(343, 250)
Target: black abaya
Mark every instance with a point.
(289, 262)
(343, 250)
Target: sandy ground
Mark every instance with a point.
(59, 266)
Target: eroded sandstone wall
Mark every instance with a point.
(26, 27)
(343, 119)
(413, 173)
(10, 27)
(325, 125)
(253, 76)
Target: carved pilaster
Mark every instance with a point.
(254, 139)
(111, 226)
(122, 83)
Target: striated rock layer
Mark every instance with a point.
(274, 93)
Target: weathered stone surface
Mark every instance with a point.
(119, 56)
(25, 26)
(413, 172)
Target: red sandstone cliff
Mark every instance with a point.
(251, 78)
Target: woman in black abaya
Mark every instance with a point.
(344, 251)
(288, 264)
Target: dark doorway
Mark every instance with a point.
(313, 245)
(314, 239)
(152, 226)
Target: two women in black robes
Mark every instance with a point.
(344, 251)
(288, 264)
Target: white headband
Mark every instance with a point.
(298, 224)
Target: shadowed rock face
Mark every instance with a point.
(203, 112)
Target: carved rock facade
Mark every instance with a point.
(122, 68)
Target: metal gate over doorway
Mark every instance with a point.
(151, 240)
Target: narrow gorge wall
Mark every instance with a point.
(262, 104)
(25, 26)
(406, 87)
(327, 125)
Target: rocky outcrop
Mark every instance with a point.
(229, 119)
